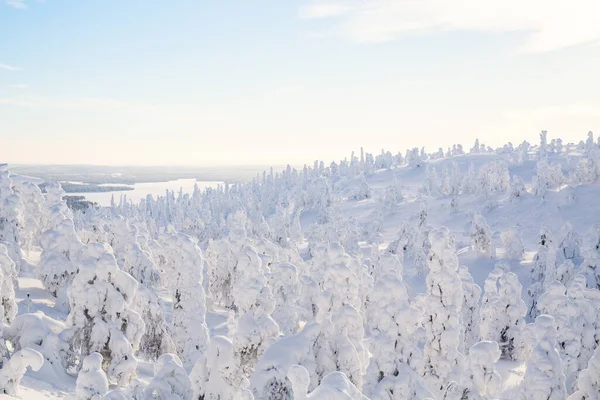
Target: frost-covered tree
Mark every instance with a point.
(481, 235)
(469, 310)
(13, 370)
(216, 375)
(503, 312)
(8, 277)
(334, 386)
(482, 373)
(270, 377)
(513, 244)
(10, 216)
(61, 253)
(101, 318)
(157, 338)
(568, 248)
(396, 362)
(586, 320)
(543, 270)
(556, 303)
(588, 383)
(170, 380)
(517, 187)
(444, 301)
(183, 277)
(286, 292)
(544, 378)
(32, 214)
(92, 383)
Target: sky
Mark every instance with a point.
(196, 82)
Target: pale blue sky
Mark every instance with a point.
(236, 82)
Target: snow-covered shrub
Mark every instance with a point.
(503, 312)
(101, 318)
(91, 383)
(170, 380)
(444, 301)
(544, 378)
(481, 235)
(13, 370)
(513, 244)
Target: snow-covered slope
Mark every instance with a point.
(335, 281)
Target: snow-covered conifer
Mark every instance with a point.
(8, 277)
(544, 378)
(517, 187)
(335, 386)
(588, 383)
(101, 319)
(513, 244)
(568, 248)
(92, 383)
(482, 372)
(170, 380)
(503, 312)
(470, 309)
(481, 235)
(444, 301)
(13, 370)
(10, 216)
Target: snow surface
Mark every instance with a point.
(294, 309)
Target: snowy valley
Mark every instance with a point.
(468, 273)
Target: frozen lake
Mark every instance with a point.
(141, 190)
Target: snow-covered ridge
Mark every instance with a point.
(452, 275)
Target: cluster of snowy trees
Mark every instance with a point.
(308, 310)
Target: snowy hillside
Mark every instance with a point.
(462, 274)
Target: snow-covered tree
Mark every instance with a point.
(270, 377)
(513, 244)
(101, 318)
(470, 309)
(543, 270)
(286, 292)
(13, 370)
(517, 187)
(482, 373)
(396, 362)
(8, 277)
(588, 383)
(59, 260)
(568, 248)
(442, 323)
(544, 378)
(503, 312)
(334, 386)
(92, 383)
(170, 380)
(481, 235)
(217, 376)
(556, 303)
(10, 216)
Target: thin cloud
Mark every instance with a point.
(548, 24)
(15, 102)
(20, 4)
(18, 86)
(10, 67)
